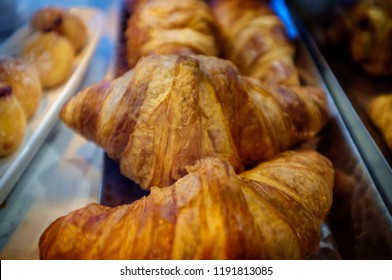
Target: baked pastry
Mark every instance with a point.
(371, 38)
(170, 111)
(170, 27)
(273, 211)
(365, 30)
(52, 55)
(63, 22)
(380, 112)
(255, 39)
(26, 86)
(12, 121)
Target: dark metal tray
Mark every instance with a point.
(352, 91)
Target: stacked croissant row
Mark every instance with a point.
(215, 147)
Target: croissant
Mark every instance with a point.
(380, 112)
(170, 111)
(273, 211)
(170, 27)
(255, 40)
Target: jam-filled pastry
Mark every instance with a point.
(12, 121)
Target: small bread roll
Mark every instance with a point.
(62, 22)
(23, 78)
(52, 55)
(12, 121)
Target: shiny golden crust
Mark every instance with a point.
(273, 211)
(22, 77)
(380, 111)
(52, 55)
(255, 39)
(170, 111)
(12, 121)
(62, 22)
(170, 27)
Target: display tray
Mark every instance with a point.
(361, 89)
(352, 90)
(359, 225)
(12, 166)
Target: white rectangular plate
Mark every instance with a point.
(38, 128)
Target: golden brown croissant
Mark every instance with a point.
(273, 211)
(380, 111)
(170, 111)
(170, 27)
(255, 40)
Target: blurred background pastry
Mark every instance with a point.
(62, 22)
(380, 111)
(170, 27)
(254, 38)
(52, 55)
(26, 86)
(370, 42)
(12, 121)
(363, 29)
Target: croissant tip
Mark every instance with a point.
(63, 110)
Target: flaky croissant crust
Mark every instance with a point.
(170, 27)
(273, 211)
(170, 111)
(254, 38)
